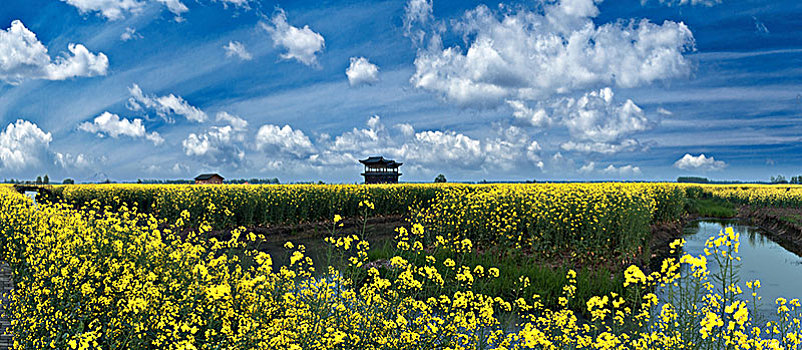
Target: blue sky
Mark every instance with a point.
(300, 90)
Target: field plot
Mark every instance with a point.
(537, 266)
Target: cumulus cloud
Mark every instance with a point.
(283, 139)
(111, 9)
(373, 137)
(533, 154)
(444, 147)
(222, 145)
(22, 145)
(237, 49)
(700, 162)
(301, 44)
(23, 56)
(596, 123)
(524, 55)
(428, 148)
(622, 170)
(361, 71)
(117, 9)
(164, 105)
(532, 117)
(217, 146)
(596, 117)
(588, 168)
(114, 126)
(236, 122)
(625, 170)
(67, 161)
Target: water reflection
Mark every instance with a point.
(779, 270)
(31, 195)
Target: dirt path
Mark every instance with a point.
(5, 323)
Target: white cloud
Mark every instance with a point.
(302, 44)
(361, 71)
(418, 15)
(155, 138)
(665, 112)
(162, 169)
(164, 105)
(236, 122)
(700, 162)
(283, 139)
(67, 161)
(529, 56)
(111, 9)
(359, 140)
(23, 145)
(597, 123)
(114, 126)
(175, 6)
(602, 147)
(622, 171)
(406, 129)
(236, 48)
(240, 3)
(429, 148)
(533, 154)
(23, 56)
(130, 34)
(218, 146)
(625, 170)
(533, 117)
(117, 9)
(760, 27)
(686, 2)
(588, 168)
(447, 148)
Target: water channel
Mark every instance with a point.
(779, 270)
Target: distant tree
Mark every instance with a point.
(440, 178)
(796, 180)
(68, 182)
(38, 180)
(107, 181)
(693, 179)
(46, 180)
(779, 179)
(139, 181)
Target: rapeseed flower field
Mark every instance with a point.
(130, 267)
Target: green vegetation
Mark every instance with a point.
(693, 179)
(520, 276)
(711, 208)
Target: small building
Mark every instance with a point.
(380, 171)
(209, 179)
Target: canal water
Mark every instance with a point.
(31, 195)
(779, 270)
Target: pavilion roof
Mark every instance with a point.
(380, 161)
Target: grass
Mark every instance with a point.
(545, 280)
(711, 208)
